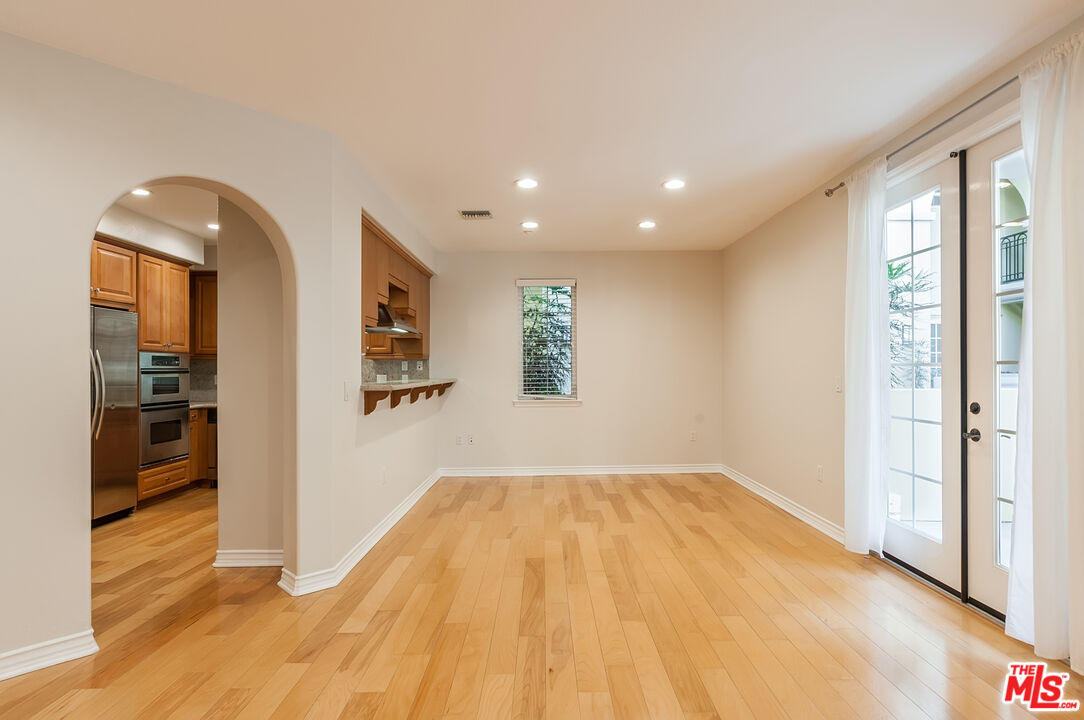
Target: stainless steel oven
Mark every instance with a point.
(163, 433)
(163, 378)
(163, 407)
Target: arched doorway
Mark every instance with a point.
(256, 398)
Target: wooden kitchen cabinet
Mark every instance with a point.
(204, 306)
(374, 343)
(197, 445)
(162, 305)
(163, 478)
(391, 276)
(112, 274)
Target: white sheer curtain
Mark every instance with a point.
(1050, 440)
(865, 445)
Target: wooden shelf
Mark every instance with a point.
(375, 392)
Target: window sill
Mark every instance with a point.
(552, 402)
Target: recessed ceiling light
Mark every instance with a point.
(529, 225)
(674, 184)
(141, 192)
(527, 183)
(212, 226)
(647, 224)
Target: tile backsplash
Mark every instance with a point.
(201, 378)
(371, 367)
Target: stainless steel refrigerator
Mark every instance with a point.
(114, 415)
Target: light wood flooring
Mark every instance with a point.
(680, 596)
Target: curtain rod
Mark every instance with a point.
(829, 192)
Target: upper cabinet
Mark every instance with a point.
(391, 276)
(163, 305)
(204, 314)
(112, 274)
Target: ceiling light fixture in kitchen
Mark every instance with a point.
(674, 184)
(529, 225)
(212, 226)
(141, 192)
(526, 183)
(647, 224)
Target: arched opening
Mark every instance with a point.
(211, 394)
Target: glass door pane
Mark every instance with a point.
(922, 239)
(999, 195)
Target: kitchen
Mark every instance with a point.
(153, 349)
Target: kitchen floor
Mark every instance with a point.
(615, 597)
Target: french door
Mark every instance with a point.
(998, 199)
(956, 314)
(924, 499)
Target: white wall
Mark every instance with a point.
(75, 135)
(253, 392)
(210, 259)
(128, 225)
(649, 357)
(379, 458)
(782, 320)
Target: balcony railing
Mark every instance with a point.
(1012, 257)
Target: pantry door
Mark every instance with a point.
(924, 499)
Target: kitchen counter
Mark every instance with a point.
(202, 404)
(366, 387)
(376, 391)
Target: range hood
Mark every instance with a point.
(388, 322)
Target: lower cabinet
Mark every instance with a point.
(197, 445)
(162, 478)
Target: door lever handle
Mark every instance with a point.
(973, 435)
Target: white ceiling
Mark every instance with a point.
(185, 208)
(447, 103)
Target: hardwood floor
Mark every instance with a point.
(661, 597)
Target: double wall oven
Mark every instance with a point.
(163, 407)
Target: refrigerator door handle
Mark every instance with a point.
(94, 388)
(101, 392)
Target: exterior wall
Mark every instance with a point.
(649, 354)
(782, 317)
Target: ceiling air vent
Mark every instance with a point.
(475, 214)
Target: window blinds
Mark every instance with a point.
(547, 324)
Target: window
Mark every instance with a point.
(547, 340)
(915, 333)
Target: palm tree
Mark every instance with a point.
(547, 340)
(902, 286)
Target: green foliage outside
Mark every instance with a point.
(547, 340)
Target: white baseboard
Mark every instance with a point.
(804, 514)
(248, 558)
(549, 470)
(43, 654)
(324, 579)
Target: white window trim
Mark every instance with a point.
(557, 400)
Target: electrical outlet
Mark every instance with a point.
(470, 439)
(820, 473)
(458, 439)
(405, 365)
(692, 436)
(839, 384)
(419, 366)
